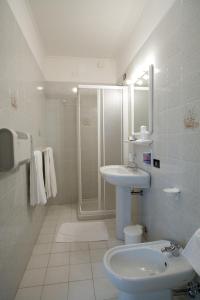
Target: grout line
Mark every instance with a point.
(45, 275)
(92, 275)
(67, 290)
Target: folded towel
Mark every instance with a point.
(50, 174)
(192, 251)
(37, 189)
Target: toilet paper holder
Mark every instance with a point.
(173, 191)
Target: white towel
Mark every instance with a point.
(192, 251)
(50, 174)
(33, 193)
(47, 173)
(37, 189)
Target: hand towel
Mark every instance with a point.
(192, 251)
(33, 193)
(50, 174)
(37, 189)
(47, 173)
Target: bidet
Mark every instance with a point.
(144, 272)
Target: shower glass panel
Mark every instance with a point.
(100, 136)
(89, 149)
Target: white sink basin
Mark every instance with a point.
(123, 176)
(124, 179)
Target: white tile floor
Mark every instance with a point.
(67, 271)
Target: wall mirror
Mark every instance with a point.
(142, 101)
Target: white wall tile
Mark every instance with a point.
(19, 76)
(33, 277)
(61, 135)
(32, 293)
(175, 45)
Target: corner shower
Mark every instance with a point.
(100, 133)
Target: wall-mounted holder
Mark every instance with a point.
(174, 191)
(141, 142)
(147, 158)
(15, 148)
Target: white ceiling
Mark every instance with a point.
(85, 28)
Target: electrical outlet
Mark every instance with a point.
(156, 163)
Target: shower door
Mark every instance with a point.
(100, 136)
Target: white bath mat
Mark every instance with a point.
(82, 232)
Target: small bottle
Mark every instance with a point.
(143, 133)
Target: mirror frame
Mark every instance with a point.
(150, 102)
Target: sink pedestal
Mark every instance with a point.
(123, 210)
(124, 178)
(164, 295)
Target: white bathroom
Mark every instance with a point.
(99, 150)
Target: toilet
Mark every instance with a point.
(144, 272)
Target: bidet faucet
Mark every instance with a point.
(174, 248)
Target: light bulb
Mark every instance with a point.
(146, 76)
(139, 82)
(129, 81)
(74, 90)
(39, 88)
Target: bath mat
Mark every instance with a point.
(82, 232)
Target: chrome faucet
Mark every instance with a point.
(174, 249)
(131, 161)
(131, 164)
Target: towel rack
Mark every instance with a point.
(42, 149)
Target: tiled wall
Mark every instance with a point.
(61, 135)
(19, 224)
(175, 44)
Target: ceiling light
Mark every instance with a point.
(39, 88)
(129, 81)
(139, 82)
(74, 90)
(146, 76)
(157, 70)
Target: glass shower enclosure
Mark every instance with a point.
(100, 133)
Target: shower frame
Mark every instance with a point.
(100, 212)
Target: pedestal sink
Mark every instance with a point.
(124, 178)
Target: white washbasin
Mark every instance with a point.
(123, 176)
(124, 179)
